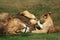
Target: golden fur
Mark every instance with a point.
(4, 16)
(14, 26)
(3, 22)
(28, 14)
(20, 21)
(46, 25)
(28, 18)
(11, 25)
(17, 23)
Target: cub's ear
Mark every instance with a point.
(46, 15)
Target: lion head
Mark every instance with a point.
(15, 26)
(46, 24)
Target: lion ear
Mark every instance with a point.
(49, 13)
(45, 16)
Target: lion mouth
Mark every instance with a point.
(37, 27)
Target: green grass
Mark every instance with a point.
(31, 36)
(37, 7)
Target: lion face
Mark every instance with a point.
(44, 23)
(44, 20)
(15, 25)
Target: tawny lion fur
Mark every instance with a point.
(14, 26)
(28, 14)
(10, 25)
(28, 18)
(47, 25)
(3, 16)
(3, 22)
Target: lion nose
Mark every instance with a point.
(25, 29)
(42, 21)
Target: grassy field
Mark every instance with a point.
(30, 36)
(37, 7)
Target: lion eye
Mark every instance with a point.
(35, 19)
(23, 27)
(42, 21)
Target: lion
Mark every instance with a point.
(11, 25)
(20, 23)
(46, 24)
(29, 19)
(15, 26)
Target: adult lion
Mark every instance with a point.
(46, 24)
(21, 23)
(15, 26)
(29, 19)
